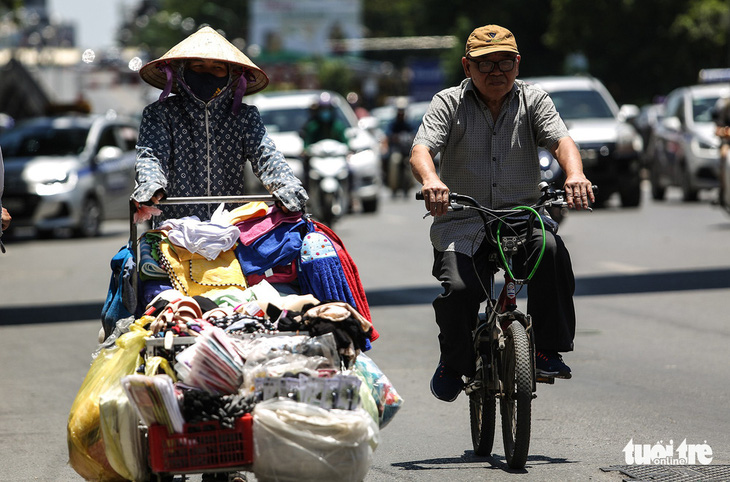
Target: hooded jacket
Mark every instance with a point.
(188, 147)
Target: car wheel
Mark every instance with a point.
(370, 205)
(631, 194)
(657, 190)
(689, 193)
(602, 197)
(91, 216)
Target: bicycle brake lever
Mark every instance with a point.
(452, 207)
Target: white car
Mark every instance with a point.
(609, 146)
(284, 114)
(69, 172)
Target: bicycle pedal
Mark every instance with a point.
(545, 379)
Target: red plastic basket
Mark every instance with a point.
(201, 446)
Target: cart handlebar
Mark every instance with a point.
(218, 199)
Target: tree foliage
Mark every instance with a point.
(639, 49)
(642, 49)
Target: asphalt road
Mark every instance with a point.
(650, 363)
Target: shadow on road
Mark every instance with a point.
(657, 282)
(491, 462)
(23, 315)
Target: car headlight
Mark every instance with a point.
(628, 142)
(49, 179)
(704, 148)
(545, 158)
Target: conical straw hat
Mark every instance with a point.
(206, 43)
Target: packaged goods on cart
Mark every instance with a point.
(256, 308)
(301, 442)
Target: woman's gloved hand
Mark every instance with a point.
(146, 211)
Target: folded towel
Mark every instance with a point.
(148, 267)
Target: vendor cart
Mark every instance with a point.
(294, 383)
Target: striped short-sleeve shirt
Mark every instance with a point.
(495, 162)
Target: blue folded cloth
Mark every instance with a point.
(278, 247)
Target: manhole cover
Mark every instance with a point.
(673, 473)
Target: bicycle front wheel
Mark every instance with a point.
(516, 404)
(482, 410)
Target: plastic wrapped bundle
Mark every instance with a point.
(299, 442)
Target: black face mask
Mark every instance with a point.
(203, 84)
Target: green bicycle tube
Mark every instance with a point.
(542, 248)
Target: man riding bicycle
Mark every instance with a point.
(488, 130)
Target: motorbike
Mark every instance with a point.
(551, 172)
(398, 172)
(328, 179)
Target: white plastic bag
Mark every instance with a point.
(298, 442)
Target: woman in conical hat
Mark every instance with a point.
(196, 142)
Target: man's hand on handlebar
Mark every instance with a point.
(579, 193)
(436, 197)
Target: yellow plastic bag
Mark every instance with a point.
(86, 450)
(123, 441)
(156, 365)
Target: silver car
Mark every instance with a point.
(284, 114)
(685, 150)
(69, 172)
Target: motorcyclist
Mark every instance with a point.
(323, 123)
(400, 136)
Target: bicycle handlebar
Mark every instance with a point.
(550, 197)
(549, 193)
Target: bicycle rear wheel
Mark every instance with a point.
(516, 404)
(482, 410)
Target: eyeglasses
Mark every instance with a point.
(486, 66)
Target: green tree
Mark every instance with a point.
(157, 25)
(642, 49)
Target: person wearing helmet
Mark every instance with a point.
(196, 143)
(323, 123)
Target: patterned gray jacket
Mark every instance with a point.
(188, 147)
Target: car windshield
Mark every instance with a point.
(702, 108)
(291, 119)
(42, 141)
(284, 120)
(581, 104)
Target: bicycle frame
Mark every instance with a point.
(492, 323)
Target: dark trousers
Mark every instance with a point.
(550, 298)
